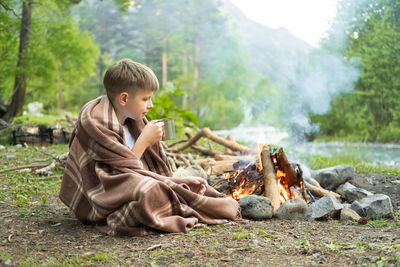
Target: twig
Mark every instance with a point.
(10, 9)
(206, 132)
(177, 143)
(36, 165)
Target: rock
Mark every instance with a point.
(352, 193)
(349, 215)
(377, 206)
(327, 205)
(213, 179)
(346, 205)
(356, 206)
(292, 209)
(256, 207)
(332, 178)
(190, 171)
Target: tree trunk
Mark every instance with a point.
(184, 74)
(18, 97)
(196, 75)
(100, 63)
(164, 61)
(60, 92)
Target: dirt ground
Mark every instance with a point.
(37, 229)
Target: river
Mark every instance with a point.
(372, 153)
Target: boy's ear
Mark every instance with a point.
(123, 98)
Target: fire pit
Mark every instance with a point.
(271, 175)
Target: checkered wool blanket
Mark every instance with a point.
(105, 184)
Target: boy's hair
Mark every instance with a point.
(129, 76)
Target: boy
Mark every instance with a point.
(117, 176)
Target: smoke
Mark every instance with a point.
(311, 91)
(306, 79)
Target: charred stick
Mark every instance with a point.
(320, 191)
(286, 167)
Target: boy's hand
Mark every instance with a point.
(152, 132)
(196, 184)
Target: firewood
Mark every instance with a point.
(221, 168)
(320, 191)
(185, 161)
(206, 132)
(34, 165)
(205, 151)
(229, 138)
(271, 189)
(220, 157)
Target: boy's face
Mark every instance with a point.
(139, 104)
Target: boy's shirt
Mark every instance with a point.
(129, 140)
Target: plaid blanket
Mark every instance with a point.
(105, 184)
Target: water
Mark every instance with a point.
(375, 154)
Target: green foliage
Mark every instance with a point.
(60, 56)
(372, 111)
(164, 107)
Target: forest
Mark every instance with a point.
(55, 52)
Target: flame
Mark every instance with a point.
(246, 187)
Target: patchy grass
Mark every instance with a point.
(318, 162)
(21, 189)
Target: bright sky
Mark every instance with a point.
(306, 19)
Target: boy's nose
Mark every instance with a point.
(150, 104)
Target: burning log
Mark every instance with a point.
(271, 189)
(292, 178)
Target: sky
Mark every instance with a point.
(306, 19)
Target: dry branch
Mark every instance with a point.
(320, 191)
(206, 132)
(34, 165)
(185, 161)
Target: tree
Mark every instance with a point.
(18, 97)
(50, 58)
(372, 111)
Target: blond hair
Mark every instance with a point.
(129, 76)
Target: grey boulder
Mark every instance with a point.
(293, 209)
(327, 205)
(256, 207)
(331, 178)
(352, 193)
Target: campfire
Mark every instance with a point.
(270, 175)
